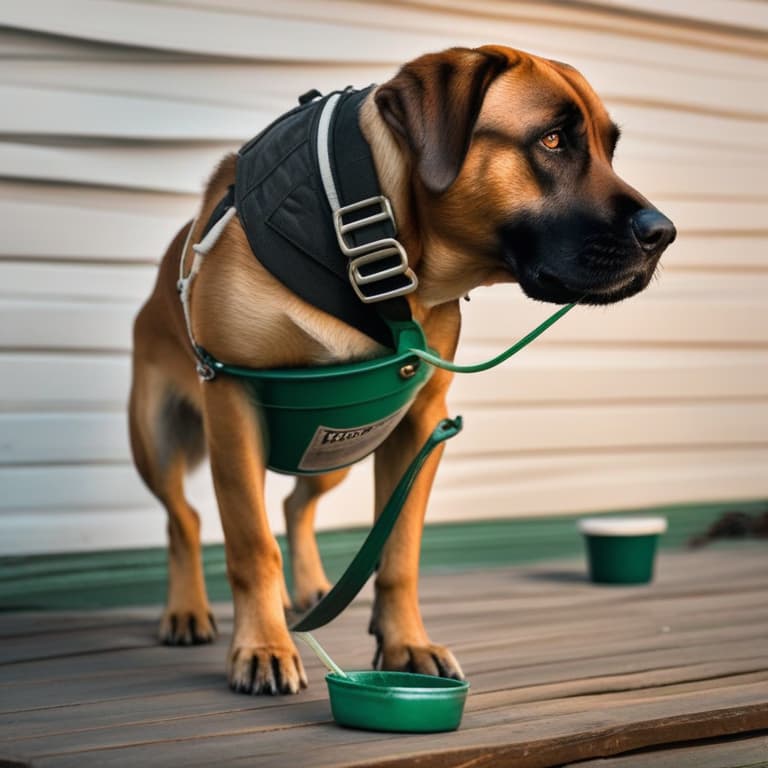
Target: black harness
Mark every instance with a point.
(309, 201)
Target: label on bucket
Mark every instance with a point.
(332, 447)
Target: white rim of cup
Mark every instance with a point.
(622, 526)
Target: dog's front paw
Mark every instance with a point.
(187, 627)
(426, 659)
(267, 669)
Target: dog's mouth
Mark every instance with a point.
(546, 286)
(601, 271)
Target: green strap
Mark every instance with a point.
(435, 360)
(366, 560)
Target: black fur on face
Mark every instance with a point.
(577, 255)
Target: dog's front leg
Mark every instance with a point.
(262, 656)
(402, 640)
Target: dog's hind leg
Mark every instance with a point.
(166, 440)
(309, 580)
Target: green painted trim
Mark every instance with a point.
(137, 577)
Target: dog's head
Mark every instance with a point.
(509, 163)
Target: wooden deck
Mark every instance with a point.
(563, 672)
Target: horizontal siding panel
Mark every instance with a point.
(78, 508)
(76, 530)
(73, 232)
(78, 232)
(106, 325)
(217, 34)
(678, 309)
(157, 168)
(32, 438)
(44, 111)
(76, 282)
(587, 375)
(508, 487)
(619, 426)
(184, 170)
(743, 13)
(390, 33)
(57, 112)
(103, 325)
(46, 382)
(711, 176)
(111, 487)
(540, 374)
(714, 215)
(269, 86)
(724, 253)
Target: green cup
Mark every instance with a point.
(397, 701)
(621, 550)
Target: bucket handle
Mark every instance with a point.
(365, 561)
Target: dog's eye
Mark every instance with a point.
(552, 140)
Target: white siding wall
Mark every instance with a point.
(113, 114)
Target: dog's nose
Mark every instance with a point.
(653, 230)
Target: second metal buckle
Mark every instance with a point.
(373, 252)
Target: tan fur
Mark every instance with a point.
(452, 245)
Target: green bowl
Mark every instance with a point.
(397, 701)
(621, 550)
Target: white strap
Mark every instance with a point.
(184, 284)
(323, 155)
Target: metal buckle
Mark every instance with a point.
(373, 252)
(385, 249)
(342, 228)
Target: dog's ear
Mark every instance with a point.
(432, 105)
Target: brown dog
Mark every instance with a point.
(498, 167)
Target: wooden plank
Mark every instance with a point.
(621, 729)
(572, 687)
(243, 720)
(737, 752)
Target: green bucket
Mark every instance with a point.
(315, 420)
(319, 419)
(621, 550)
(397, 701)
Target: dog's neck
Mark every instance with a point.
(428, 252)
(393, 168)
